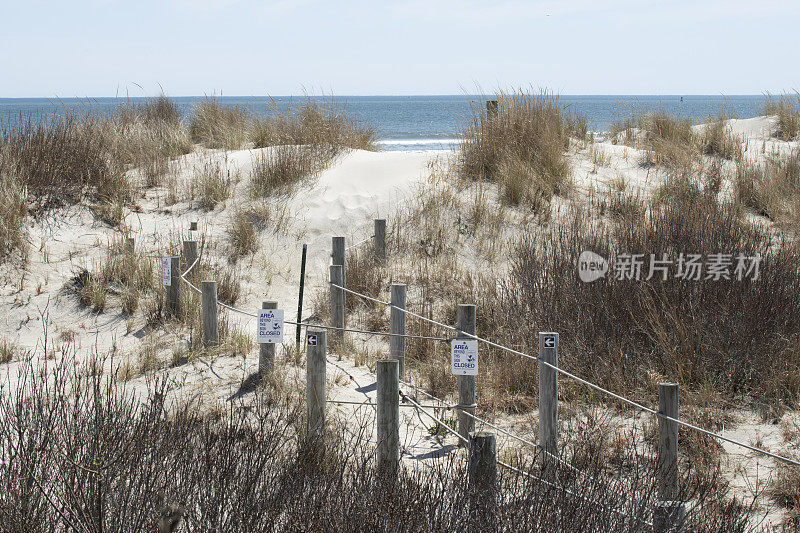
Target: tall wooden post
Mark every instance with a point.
(379, 240)
(669, 513)
(388, 400)
(466, 384)
(316, 350)
(174, 289)
(338, 255)
(397, 344)
(208, 301)
(189, 257)
(266, 350)
(337, 302)
(548, 392)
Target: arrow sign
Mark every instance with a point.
(549, 342)
(311, 339)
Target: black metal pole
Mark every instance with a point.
(300, 296)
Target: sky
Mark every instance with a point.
(81, 48)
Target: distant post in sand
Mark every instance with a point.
(190, 256)
(338, 256)
(208, 302)
(379, 240)
(397, 343)
(466, 384)
(548, 392)
(174, 288)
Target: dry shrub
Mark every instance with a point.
(771, 188)
(218, 126)
(691, 331)
(787, 109)
(242, 235)
(667, 142)
(213, 183)
(314, 123)
(281, 169)
(717, 139)
(134, 459)
(521, 146)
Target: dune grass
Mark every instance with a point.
(521, 146)
(218, 126)
(787, 108)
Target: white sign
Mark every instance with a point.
(270, 326)
(464, 357)
(166, 271)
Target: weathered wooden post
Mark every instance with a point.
(208, 301)
(337, 302)
(190, 256)
(482, 477)
(316, 350)
(397, 344)
(669, 513)
(174, 288)
(379, 240)
(388, 416)
(548, 392)
(193, 225)
(466, 384)
(266, 350)
(338, 255)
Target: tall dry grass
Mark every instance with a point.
(521, 147)
(787, 108)
(217, 126)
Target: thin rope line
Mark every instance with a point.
(359, 243)
(583, 381)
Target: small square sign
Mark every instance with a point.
(311, 339)
(166, 271)
(550, 342)
(464, 357)
(270, 326)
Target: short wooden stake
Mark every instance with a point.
(208, 301)
(466, 384)
(548, 392)
(668, 517)
(482, 476)
(174, 289)
(316, 351)
(337, 302)
(193, 225)
(388, 400)
(397, 344)
(379, 240)
(338, 255)
(266, 350)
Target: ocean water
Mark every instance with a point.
(427, 122)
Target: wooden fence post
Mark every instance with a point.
(193, 225)
(466, 384)
(388, 400)
(482, 477)
(338, 255)
(208, 300)
(266, 350)
(300, 296)
(397, 344)
(669, 513)
(548, 392)
(174, 289)
(189, 256)
(316, 350)
(337, 302)
(379, 240)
